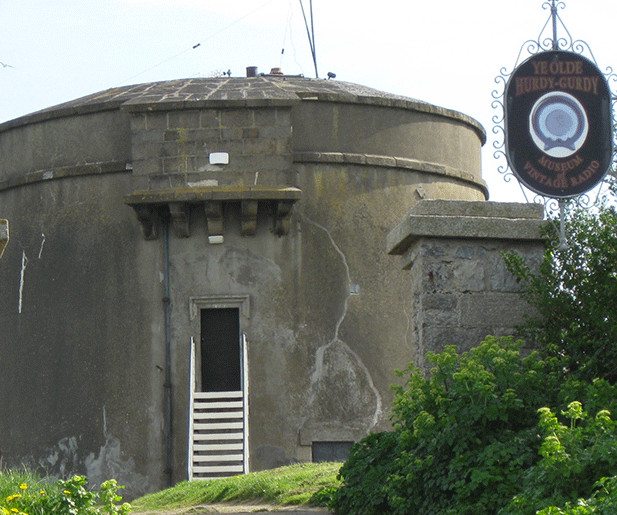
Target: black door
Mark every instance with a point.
(220, 350)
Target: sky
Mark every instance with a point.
(446, 52)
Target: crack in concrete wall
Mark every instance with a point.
(22, 274)
(42, 245)
(318, 370)
(22, 278)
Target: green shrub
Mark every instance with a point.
(477, 436)
(575, 294)
(462, 435)
(370, 461)
(603, 501)
(574, 459)
(26, 494)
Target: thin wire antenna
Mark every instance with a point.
(198, 44)
(289, 36)
(310, 32)
(313, 34)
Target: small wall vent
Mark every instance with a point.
(218, 158)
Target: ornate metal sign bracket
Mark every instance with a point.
(541, 101)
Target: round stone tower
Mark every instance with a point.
(197, 282)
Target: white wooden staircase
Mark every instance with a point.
(218, 429)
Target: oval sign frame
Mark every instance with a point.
(558, 124)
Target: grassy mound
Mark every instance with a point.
(294, 484)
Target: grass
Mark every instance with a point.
(294, 484)
(11, 479)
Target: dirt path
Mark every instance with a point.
(238, 509)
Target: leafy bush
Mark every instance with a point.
(575, 294)
(461, 436)
(603, 500)
(70, 497)
(573, 459)
(370, 462)
(476, 436)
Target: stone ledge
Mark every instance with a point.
(388, 162)
(60, 111)
(475, 208)
(466, 220)
(263, 91)
(396, 102)
(63, 172)
(229, 193)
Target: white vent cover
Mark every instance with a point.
(219, 158)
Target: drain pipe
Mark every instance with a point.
(167, 385)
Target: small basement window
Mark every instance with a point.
(331, 451)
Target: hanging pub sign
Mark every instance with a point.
(558, 124)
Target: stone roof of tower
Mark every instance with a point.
(265, 90)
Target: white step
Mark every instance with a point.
(217, 458)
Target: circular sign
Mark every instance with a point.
(558, 124)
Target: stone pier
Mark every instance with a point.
(461, 289)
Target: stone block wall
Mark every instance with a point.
(461, 289)
(172, 148)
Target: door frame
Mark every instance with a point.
(196, 304)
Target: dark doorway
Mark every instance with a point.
(220, 350)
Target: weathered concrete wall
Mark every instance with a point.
(461, 289)
(370, 128)
(71, 310)
(327, 314)
(51, 143)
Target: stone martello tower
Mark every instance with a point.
(197, 282)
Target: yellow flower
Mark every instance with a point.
(67, 492)
(14, 510)
(13, 497)
(5, 511)
(23, 486)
